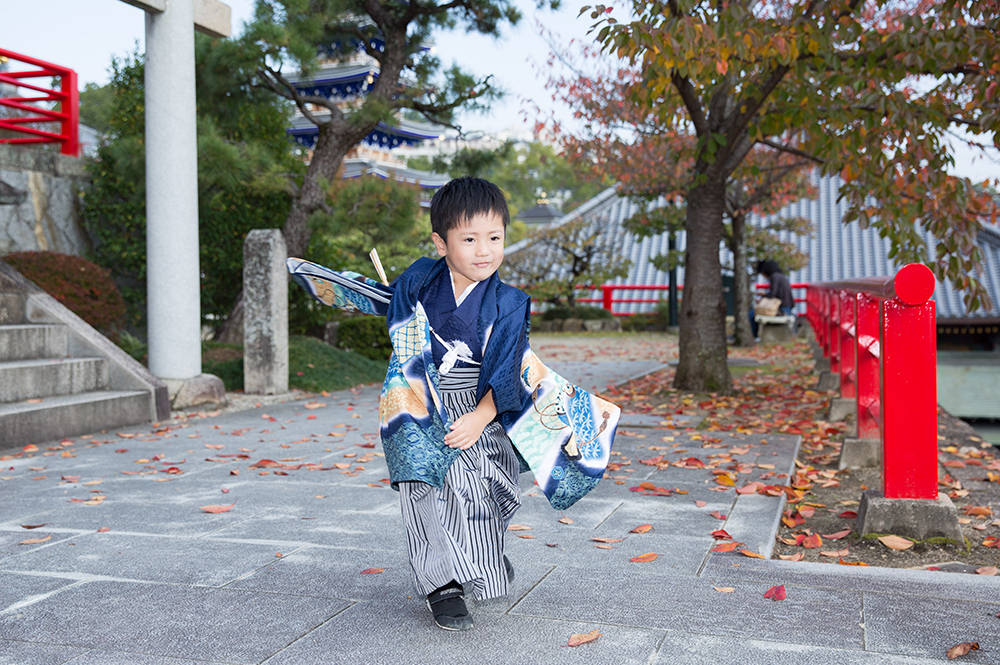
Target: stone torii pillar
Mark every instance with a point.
(172, 264)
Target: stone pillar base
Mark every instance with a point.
(828, 381)
(913, 518)
(201, 389)
(843, 408)
(822, 363)
(860, 453)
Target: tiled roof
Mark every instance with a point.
(836, 250)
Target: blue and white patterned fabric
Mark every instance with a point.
(562, 432)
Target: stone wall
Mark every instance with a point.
(39, 201)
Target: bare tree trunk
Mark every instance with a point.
(741, 282)
(702, 366)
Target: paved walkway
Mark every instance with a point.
(131, 571)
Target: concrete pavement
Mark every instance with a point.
(145, 576)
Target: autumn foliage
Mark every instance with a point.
(725, 104)
(84, 288)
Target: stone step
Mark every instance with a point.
(53, 418)
(47, 377)
(27, 341)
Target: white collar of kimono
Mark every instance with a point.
(465, 293)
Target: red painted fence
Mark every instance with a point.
(65, 111)
(879, 334)
(608, 300)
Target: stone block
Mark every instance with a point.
(822, 363)
(771, 333)
(572, 325)
(612, 325)
(201, 389)
(330, 332)
(828, 381)
(265, 313)
(543, 326)
(914, 518)
(595, 325)
(860, 453)
(843, 408)
(11, 308)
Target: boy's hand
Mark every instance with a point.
(465, 431)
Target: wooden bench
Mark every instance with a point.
(773, 329)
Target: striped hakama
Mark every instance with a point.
(456, 532)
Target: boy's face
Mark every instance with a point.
(473, 250)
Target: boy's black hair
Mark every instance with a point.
(768, 268)
(464, 198)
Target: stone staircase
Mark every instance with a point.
(60, 378)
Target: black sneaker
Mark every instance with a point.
(447, 604)
(509, 567)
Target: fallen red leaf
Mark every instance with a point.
(848, 514)
(33, 526)
(896, 542)
(372, 571)
(838, 535)
(961, 649)
(218, 509)
(727, 547)
(751, 554)
(565, 520)
(852, 563)
(103, 529)
(35, 541)
(645, 558)
(792, 557)
(812, 542)
(721, 534)
(776, 592)
(577, 639)
(717, 515)
(607, 540)
(642, 528)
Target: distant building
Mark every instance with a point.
(543, 213)
(346, 82)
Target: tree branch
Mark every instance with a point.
(791, 151)
(288, 91)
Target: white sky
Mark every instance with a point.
(85, 34)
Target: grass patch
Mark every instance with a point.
(312, 365)
(316, 366)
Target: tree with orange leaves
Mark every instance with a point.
(867, 89)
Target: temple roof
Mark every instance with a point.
(836, 251)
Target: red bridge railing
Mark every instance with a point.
(64, 102)
(879, 334)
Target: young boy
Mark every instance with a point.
(465, 405)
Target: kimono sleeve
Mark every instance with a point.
(345, 290)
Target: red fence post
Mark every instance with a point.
(607, 293)
(867, 331)
(833, 330)
(908, 347)
(848, 344)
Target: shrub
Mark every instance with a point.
(83, 287)
(366, 335)
(579, 312)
